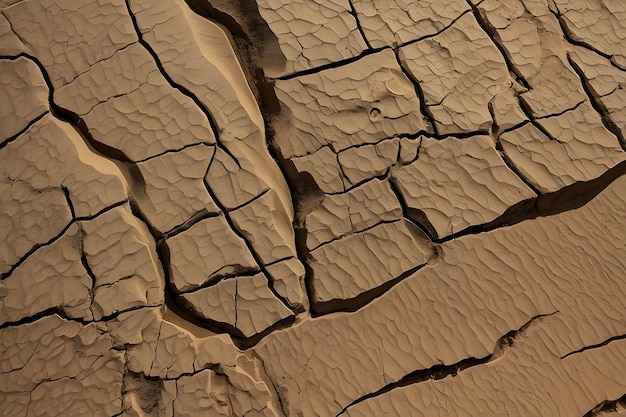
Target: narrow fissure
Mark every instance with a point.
(53, 311)
(571, 38)
(424, 110)
(413, 215)
(30, 124)
(597, 104)
(492, 33)
(175, 85)
(598, 345)
(354, 14)
(568, 198)
(437, 372)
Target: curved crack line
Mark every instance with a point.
(597, 103)
(183, 90)
(597, 345)
(437, 372)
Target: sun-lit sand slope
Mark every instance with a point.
(307, 208)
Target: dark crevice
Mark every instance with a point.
(302, 187)
(495, 128)
(351, 305)
(459, 135)
(277, 261)
(571, 38)
(598, 345)
(352, 232)
(331, 65)
(240, 272)
(54, 311)
(528, 112)
(254, 43)
(13, 30)
(371, 50)
(437, 372)
(163, 254)
(597, 103)
(66, 193)
(95, 63)
(358, 184)
(101, 212)
(49, 242)
(128, 169)
(415, 135)
(512, 128)
(165, 74)
(562, 112)
(354, 14)
(186, 311)
(241, 234)
(116, 313)
(505, 158)
(205, 9)
(305, 195)
(187, 224)
(88, 270)
(172, 299)
(186, 92)
(6, 141)
(568, 198)
(493, 34)
(282, 406)
(252, 200)
(432, 35)
(516, 171)
(251, 341)
(156, 347)
(426, 114)
(415, 216)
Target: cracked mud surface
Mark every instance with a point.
(312, 208)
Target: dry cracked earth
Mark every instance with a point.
(312, 208)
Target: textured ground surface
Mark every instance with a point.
(312, 208)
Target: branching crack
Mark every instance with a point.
(492, 33)
(183, 90)
(88, 270)
(571, 38)
(567, 198)
(38, 246)
(354, 14)
(597, 103)
(244, 238)
(426, 113)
